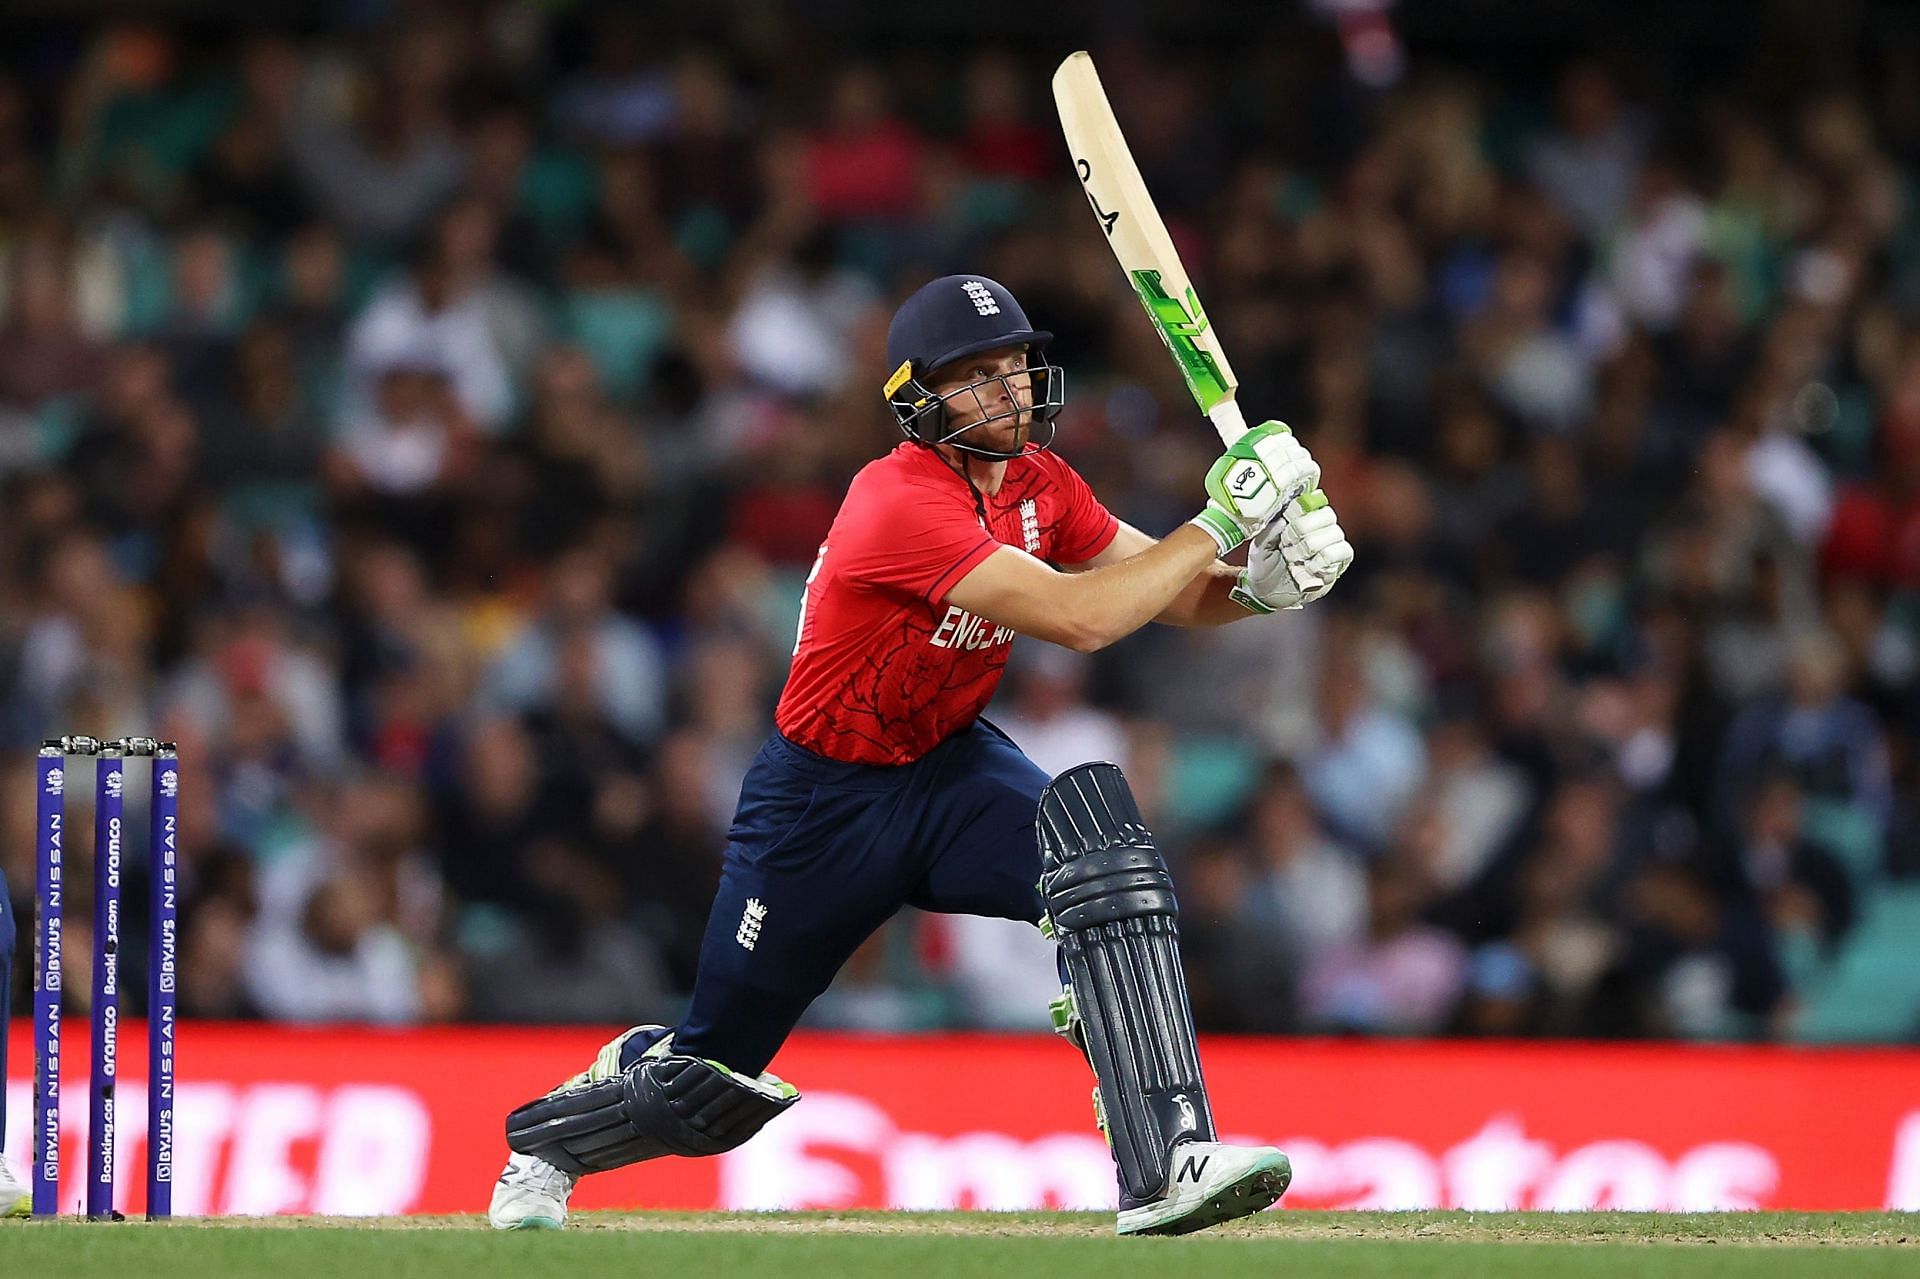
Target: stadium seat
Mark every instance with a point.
(1211, 777)
(621, 331)
(1850, 833)
(1872, 990)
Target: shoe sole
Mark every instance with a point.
(1255, 1190)
(532, 1223)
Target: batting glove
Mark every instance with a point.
(1255, 480)
(1295, 558)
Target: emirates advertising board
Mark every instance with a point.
(366, 1122)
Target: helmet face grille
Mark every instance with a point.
(924, 416)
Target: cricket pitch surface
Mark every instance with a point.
(939, 1245)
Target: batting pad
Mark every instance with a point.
(668, 1105)
(1110, 901)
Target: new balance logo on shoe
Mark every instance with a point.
(1192, 1169)
(748, 933)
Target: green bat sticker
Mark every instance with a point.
(1179, 324)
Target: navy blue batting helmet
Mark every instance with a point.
(947, 320)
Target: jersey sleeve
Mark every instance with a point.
(910, 539)
(1087, 527)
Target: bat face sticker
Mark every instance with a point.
(1086, 176)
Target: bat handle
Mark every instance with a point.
(1228, 420)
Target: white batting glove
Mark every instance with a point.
(1295, 558)
(1254, 480)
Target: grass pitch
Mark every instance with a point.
(1326, 1245)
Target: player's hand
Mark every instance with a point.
(1255, 480)
(1295, 558)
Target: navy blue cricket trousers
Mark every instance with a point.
(822, 853)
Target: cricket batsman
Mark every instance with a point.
(882, 787)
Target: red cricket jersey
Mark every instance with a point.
(884, 669)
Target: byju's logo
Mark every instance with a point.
(748, 934)
(982, 297)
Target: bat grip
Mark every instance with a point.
(1228, 420)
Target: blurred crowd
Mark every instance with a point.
(429, 423)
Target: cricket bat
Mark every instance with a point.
(1140, 240)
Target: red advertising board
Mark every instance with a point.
(274, 1119)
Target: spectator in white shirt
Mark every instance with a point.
(430, 312)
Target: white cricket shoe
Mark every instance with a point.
(15, 1199)
(530, 1195)
(1209, 1182)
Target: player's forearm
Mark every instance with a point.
(1206, 600)
(1105, 604)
